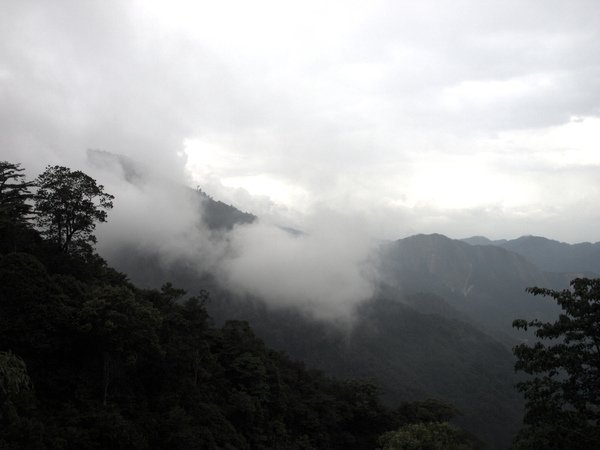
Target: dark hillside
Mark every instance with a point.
(219, 215)
(412, 355)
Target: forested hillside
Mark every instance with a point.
(90, 361)
(412, 355)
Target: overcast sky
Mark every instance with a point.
(462, 117)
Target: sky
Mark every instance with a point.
(463, 118)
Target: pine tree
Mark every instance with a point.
(14, 194)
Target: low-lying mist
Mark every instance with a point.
(325, 270)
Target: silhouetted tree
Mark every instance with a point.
(563, 395)
(14, 193)
(13, 377)
(120, 330)
(68, 205)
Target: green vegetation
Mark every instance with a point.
(90, 361)
(563, 391)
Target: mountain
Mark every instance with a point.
(487, 283)
(550, 255)
(482, 240)
(219, 215)
(216, 214)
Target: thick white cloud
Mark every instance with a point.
(325, 272)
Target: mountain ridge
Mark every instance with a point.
(548, 254)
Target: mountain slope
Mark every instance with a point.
(219, 215)
(410, 354)
(485, 282)
(550, 255)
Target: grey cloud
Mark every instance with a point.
(90, 75)
(437, 45)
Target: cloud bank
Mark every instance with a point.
(324, 271)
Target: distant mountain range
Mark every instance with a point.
(487, 283)
(550, 255)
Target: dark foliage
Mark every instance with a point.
(14, 194)
(563, 391)
(410, 355)
(68, 205)
(428, 436)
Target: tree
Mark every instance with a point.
(68, 205)
(429, 410)
(14, 193)
(427, 436)
(120, 329)
(13, 377)
(19, 429)
(562, 395)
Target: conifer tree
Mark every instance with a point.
(14, 193)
